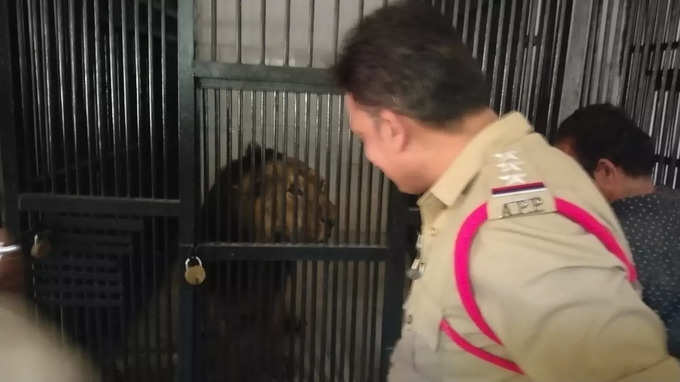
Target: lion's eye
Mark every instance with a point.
(294, 190)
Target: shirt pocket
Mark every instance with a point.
(423, 317)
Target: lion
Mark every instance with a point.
(264, 197)
(280, 199)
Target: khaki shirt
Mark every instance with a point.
(557, 299)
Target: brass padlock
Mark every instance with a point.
(194, 274)
(41, 246)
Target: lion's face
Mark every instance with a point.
(290, 203)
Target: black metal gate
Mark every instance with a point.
(144, 132)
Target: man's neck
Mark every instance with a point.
(445, 145)
(637, 186)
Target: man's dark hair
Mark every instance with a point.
(407, 57)
(604, 131)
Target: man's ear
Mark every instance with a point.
(605, 170)
(393, 129)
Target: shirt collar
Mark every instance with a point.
(469, 162)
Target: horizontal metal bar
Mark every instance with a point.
(276, 252)
(223, 83)
(98, 205)
(261, 73)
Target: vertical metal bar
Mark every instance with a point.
(373, 320)
(338, 172)
(673, 137)
(74, 93)
(336, 28)
(98, 96)
(154, 254)
(239, 31)
(466, 21)
(334, 318)
(361, 9)
(541, 57)
(284, 178)
(188, 186)
(263, 186)
(286, 49)
(218, 162)
(24, 71)
(478, 21)
(88, 99)
(133, 312)
(394, 275)
(168, 275)
(635, 57)
(664, 130)
(241, 193)
(273, 218)
(138, 102)
(353, 315)
(324, 321)
(293, 298)
(530, 56)
(303, 306)
(144, 292)
(296, 123)
(379, 215)
(552, 102)
(629, 24)
(520, 54)
(497, 55)
(115, 116)
(508, 53)
(228, 159)
(487, 37)
(343, 317)
(213, 30)
(311, 32)
(365, 319)
(207, 224)
(360, 177)
(613, 53)
(48, 96)
(317, 165)
(600, 86)
(456, 5)
(152, 119)
(263, 36)
(59, 26)
(348, 198)
(314, 297)
(590, 53)
(35, 88)
(253, 170)
(259, 279)
(305, 222)
(369, 204)
(640, 102)
(9, 158)
(126, 97)
(327, 176)
(656, 40)
(164, 97)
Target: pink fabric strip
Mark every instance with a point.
(461, 267)
(477, 352)
(590, 224)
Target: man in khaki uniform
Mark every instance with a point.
(524, 273)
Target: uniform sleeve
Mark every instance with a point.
(562, 305)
